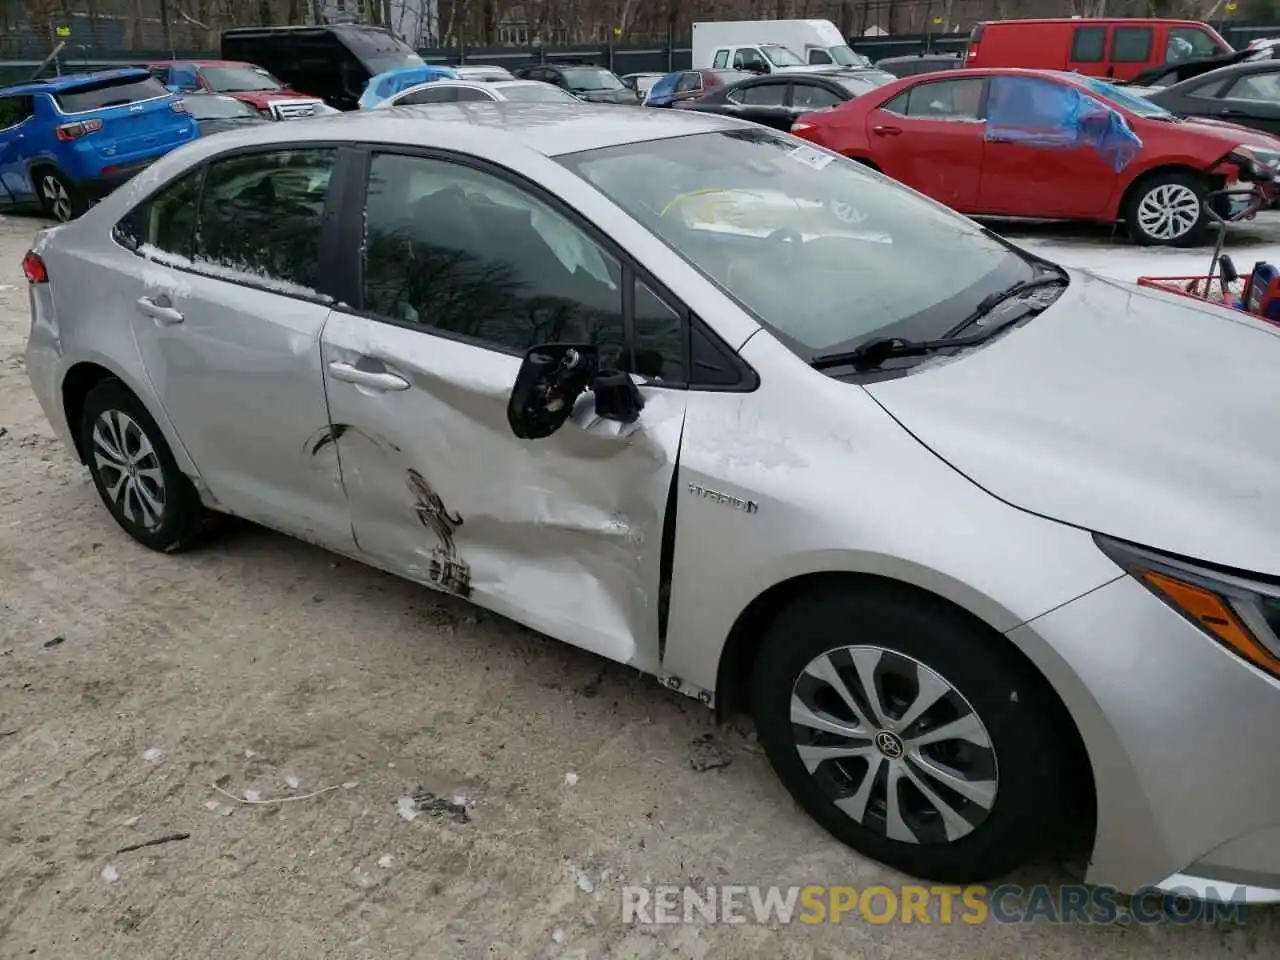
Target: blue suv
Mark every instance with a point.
(67, 141)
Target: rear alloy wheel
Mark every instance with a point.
(57, 196)
(135, 473)
(911, 733)
(1168, 210)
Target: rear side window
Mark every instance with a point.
(819, 56)
(260, 217)
(1131, 45)
(762, 95)
(429, 94)
(1089, 45)
(722, 59)
(165, 223)
(109, 93)
(13, 110)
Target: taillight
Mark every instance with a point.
(34, 268)
(81, 128)
(179, 106)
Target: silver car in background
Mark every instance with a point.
(987, 547)
(478, 91)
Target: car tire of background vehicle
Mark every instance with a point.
(1000, 785)
(1167, 209)
(59, 197)
(135, 473)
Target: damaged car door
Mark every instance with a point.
(462, 270)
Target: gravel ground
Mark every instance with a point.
(131, 683)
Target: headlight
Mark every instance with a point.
(1256, 163)
(1241, 613)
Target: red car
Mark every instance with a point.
(1047, 145)
(245, 82)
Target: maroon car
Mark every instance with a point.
(689, 85)
(244, 81)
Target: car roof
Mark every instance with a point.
(70, 80)
(549, 129)
(203, 63)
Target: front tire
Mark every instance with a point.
(911, 733)
(59, 197)
(135, 473)
(1168, 210)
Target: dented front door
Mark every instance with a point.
(562, 534)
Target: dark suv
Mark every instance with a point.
(586, 81)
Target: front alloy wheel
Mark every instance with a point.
(893, 745)
(1168, 210)
(913, 732)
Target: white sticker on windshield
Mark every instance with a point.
(810, 157)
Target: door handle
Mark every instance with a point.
(883, 131)
(1229, 112)
(374, 380)
(161, 313)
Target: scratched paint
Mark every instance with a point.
(447, 570)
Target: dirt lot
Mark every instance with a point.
(259, 659)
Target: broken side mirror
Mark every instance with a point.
(617, 396)
(550, 380)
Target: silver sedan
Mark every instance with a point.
(986, 546)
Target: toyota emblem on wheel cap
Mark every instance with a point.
(889, 744)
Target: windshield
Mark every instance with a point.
(1122, 98)
(379, 50)
(821, 250)
(780, 56)
(589, 78)
(237, 79)
(537, 93)
(865, 81)
(218, 108)
(847, 58)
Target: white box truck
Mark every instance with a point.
(772, 46)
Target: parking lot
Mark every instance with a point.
(142, 694)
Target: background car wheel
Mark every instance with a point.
(1168, 210)
(135, 472)
(58, 196)
(911, 733)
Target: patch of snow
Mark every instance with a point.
(557, 935)
(585, 884)
(407, 809)
(250, 754)
(223, 272)
(292, 782)
(384, 860)
(253, 795)
(350, 785)
(110, 873)
(131, 822)
(152, 754)
(571, 779)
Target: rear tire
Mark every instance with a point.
(1168, 210)
(139, 481)
(963, 804)
(59, 197)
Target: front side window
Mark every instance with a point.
(1194, 42)
(463, 252)
(1131, 44)
(165, 224)
(260, 219)
(748, 208)
(472, 94)
(688, 82)
(750, 59)
(14, 110)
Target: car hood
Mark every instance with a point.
(1233, 132)
(1130, 412)
(262, 98)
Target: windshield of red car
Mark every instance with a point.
(818, 248)
(239, 79)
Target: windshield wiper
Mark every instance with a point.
(872, 353)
